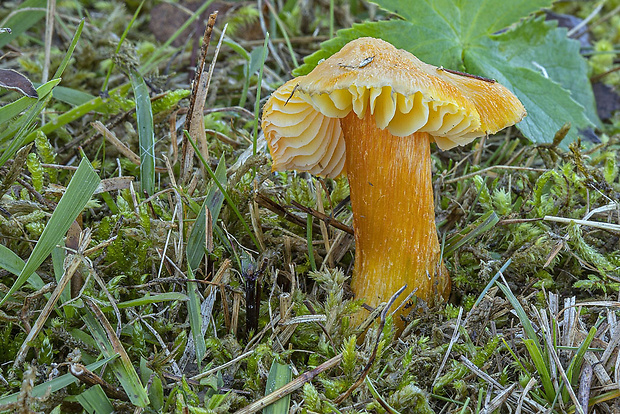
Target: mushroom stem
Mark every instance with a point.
(393, 213)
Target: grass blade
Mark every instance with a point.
(279, 376)
(78, 192)
(13, 263)
(541, 367)
(95, 401)
(54, 385)
(109, 345)
(9, 111)
(475, 229)
(259, 86)
(148, 300)
(144, 114)
(65, 61)
(213, 202)
(195, 318)
(120, 43)
(223, 190)
(22, 19)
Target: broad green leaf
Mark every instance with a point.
(548, 105)
(95, 401)
(144, 116)
(541, 46)
(533, 58)
(81, 187)
(279, 376)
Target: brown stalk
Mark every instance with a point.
(194, 122)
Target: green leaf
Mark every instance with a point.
(147, 300)
(156, 390)
(195, 318)
(462, 35)
(279, 376)
(541, 46)
(23, 18)
(95, 401)
(78, 192)
(13, 263)
(110, 345)
(20, 133)
(144, 114)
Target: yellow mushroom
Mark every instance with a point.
(371, 111)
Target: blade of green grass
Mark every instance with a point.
(214, 201)
(54, 385)
(531, 343)
(258, 91)
(81, 110)
(20, 130)
(309, 241)
(65, 60)
(58, 262)
(13, 263)
(81, 187)
(146, 136)
(147, 300)
(223, 190)
(23, 18)
(72, 96)
(9, 111)
(279, 376)
(475, 229)
(95, 401)
(284, 32)
(24, 126)
(575, 365)
(195, 318)
(109, 345)
(541, 368)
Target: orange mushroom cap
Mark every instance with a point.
(405, 95)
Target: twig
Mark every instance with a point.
(327, 219)
(290, 387)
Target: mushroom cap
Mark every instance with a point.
(405, 95)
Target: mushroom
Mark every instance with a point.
(372, 110)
